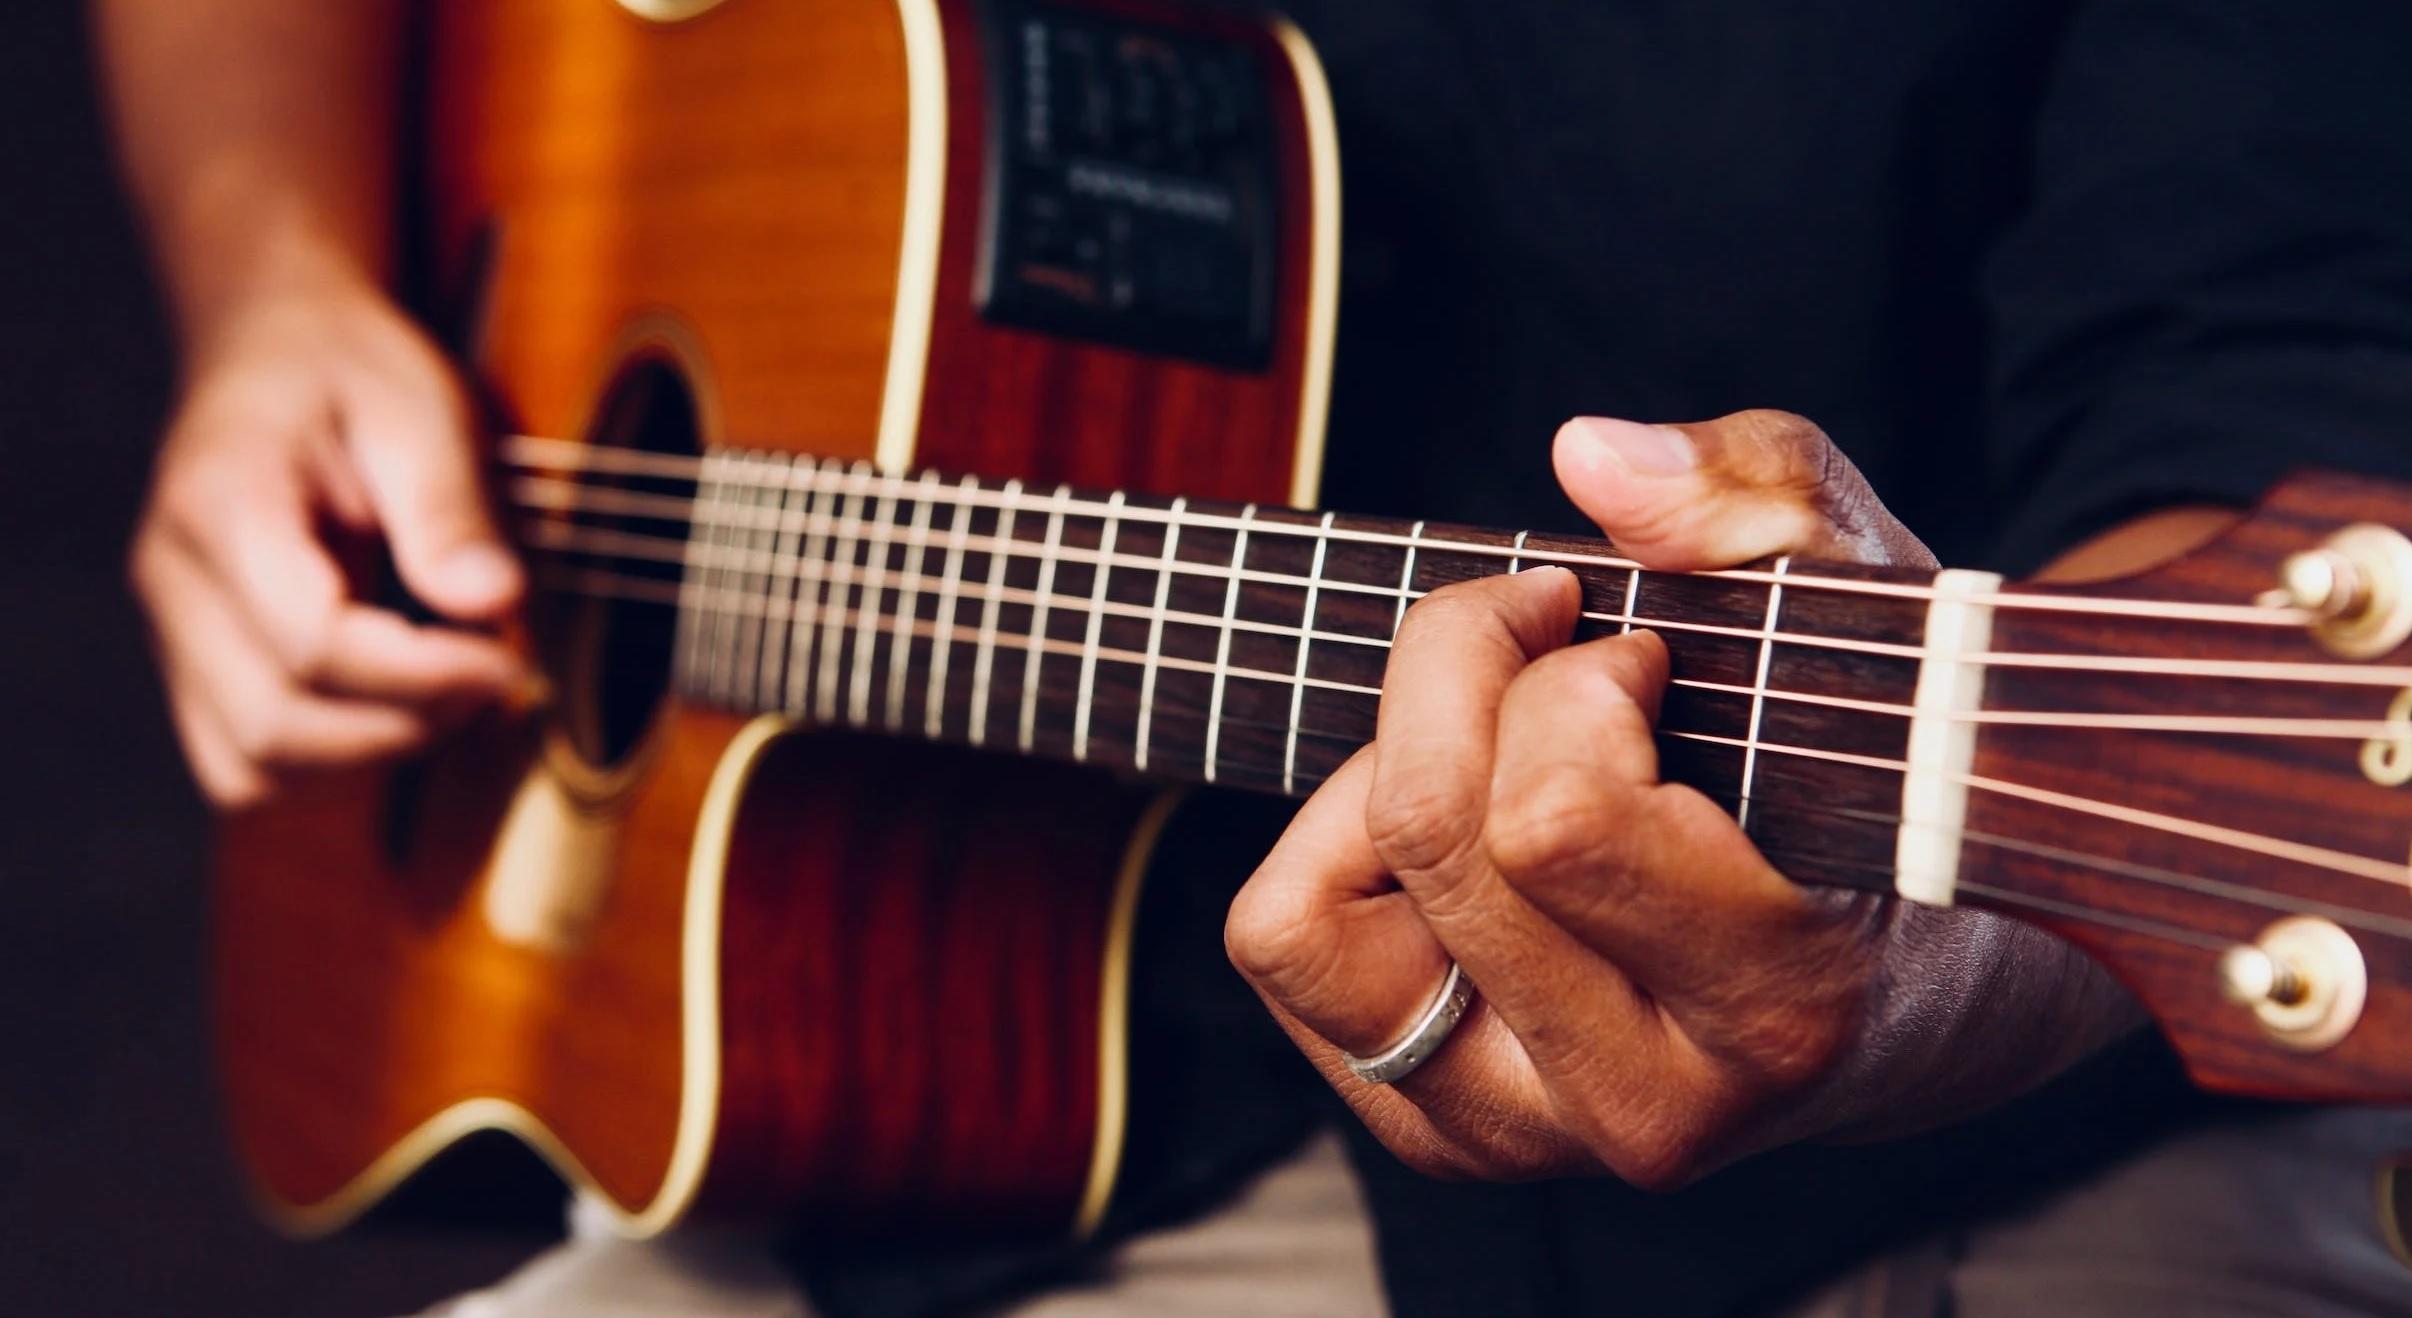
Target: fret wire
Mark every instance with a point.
(1516, 557)
(1032, 666)
(1632, 594)
(876, 544)
(1758, 696)
(699, 549)
(770, 675)
(1088, 650)
(745, 641)
(941, 651)
(1222, 649)
(708, 640)
(840, 596)
(731, 578)
(804, 628)
(637, 588)
(1306, 641)
(748, 685)
(691, 621)
(2240, 614)
(1398, 617)
(724, 641)
(985, 653)
(1155, 634)
(900, 650)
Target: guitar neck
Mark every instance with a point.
(1240, 645)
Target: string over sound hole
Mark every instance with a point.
(610, 656)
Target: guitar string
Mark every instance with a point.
(2017, 901)
(523, 451)
(598, 543)
(661, 548)
(2276, 848)
(2371, 922)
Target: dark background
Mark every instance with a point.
(117, 1195)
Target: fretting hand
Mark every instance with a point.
(1653, 998)
(316, 420)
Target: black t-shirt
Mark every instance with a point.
(2035, 264)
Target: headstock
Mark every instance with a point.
(2215, 794)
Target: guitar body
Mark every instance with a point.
(706, 965)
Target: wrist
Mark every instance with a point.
(302, 306)
(242, 247)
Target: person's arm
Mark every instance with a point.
(314, 414)
(256, 135)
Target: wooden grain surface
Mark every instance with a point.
(912, 1025)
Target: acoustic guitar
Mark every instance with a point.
(834, 340)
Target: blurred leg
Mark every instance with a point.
(2274, 1216)
(2271, 1216)
(1295, 1244)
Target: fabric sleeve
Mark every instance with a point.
(2212, 283)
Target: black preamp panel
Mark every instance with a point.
(1130, 184)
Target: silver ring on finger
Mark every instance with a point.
(1424, 1038)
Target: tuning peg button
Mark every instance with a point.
(2249, 976)
(2324, 583)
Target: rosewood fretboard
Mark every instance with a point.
(1235, 645)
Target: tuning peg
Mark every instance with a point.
(2303, 980)
(2358, 588)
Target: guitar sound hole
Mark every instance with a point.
(607, 631)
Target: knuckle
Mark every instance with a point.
(253, 737)
(311, 655)
(1549, 830)
(260, 736)
(1261, 936)
(1663, 1153)
(1419, 827)
(234, 789)
(1658, 1166)
(142, 566)
(1805, 455)
(1787, 1050)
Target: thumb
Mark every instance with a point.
(419, 468)
(1712, 494)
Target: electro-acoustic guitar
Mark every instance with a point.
(759, 272)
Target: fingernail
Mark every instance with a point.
(1641, 450)
(482, 570)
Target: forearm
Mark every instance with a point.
(257, 137)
